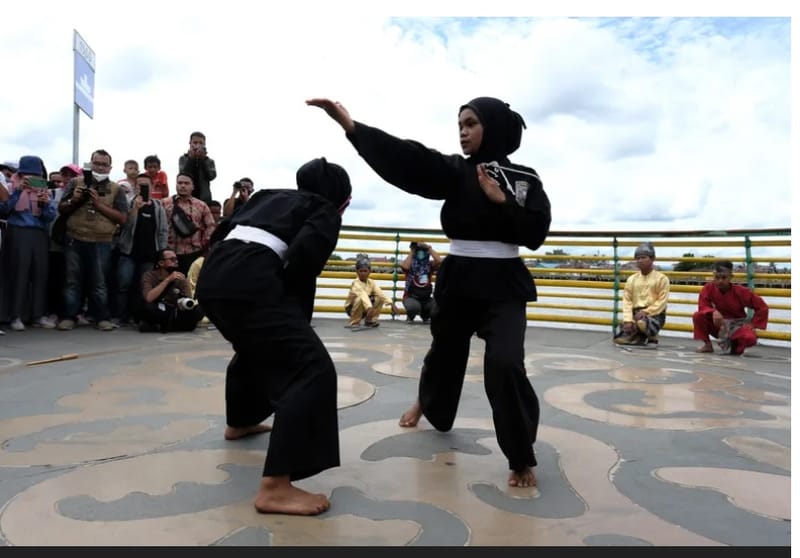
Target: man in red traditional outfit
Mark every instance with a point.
(722, 313)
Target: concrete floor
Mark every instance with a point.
(657, 446)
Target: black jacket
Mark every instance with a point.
(524, 218)
(307, 222)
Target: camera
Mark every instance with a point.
(186, 303)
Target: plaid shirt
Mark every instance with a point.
(200, 214)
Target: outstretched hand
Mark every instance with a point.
(336, 111)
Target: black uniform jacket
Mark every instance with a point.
(467, 213)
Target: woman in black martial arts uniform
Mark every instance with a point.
(491, 207)
(257, 286)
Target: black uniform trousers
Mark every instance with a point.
(515, 406)
(280, 366)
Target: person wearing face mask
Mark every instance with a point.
(419, 266)
(491, 208)
(94, 207)
(168, 302)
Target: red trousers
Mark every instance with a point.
(742, 338)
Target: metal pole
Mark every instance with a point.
(615, 319)
(76, 121)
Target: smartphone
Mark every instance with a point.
(37, 182)
(144, 191)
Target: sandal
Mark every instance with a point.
(371, 324)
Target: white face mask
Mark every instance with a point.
(99, 177)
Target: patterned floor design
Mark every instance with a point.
(123, 446)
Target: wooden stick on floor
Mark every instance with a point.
(70, 356)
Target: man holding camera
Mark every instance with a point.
(168, 305)
(140, 238)
(242, 190)
(197, 164)
(94, 207)
(419, 266)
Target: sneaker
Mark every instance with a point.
(2, 332)
(17, 325)
(45, 322)
(105, 325)
(638, 340)
(66, 325)
(632, 339)
(83, 321)
(623, 339)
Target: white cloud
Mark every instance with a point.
(632, 123)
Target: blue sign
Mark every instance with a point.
(84, 76)
(84, 86)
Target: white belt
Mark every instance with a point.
(483, 249)
(259, 236)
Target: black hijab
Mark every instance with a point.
(502, 129)
(329, 180)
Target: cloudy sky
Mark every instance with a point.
(666, 123)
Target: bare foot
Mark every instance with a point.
(522, 478)
(278, 495)
(234, 433)
(706, 348)
(412, 415)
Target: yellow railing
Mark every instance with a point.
(580, 275)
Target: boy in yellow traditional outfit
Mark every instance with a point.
(365, 299)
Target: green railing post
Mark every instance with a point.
(395, 275)
(748, 260)
(750, 267)
(614, 321)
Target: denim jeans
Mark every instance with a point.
(89, 260)
(129, 299)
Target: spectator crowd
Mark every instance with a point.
(78, 247)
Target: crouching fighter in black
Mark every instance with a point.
(257, 286)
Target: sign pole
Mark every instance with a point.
(76, 122)
(83, 87)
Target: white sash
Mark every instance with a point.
(483, 249)
(259, 236)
